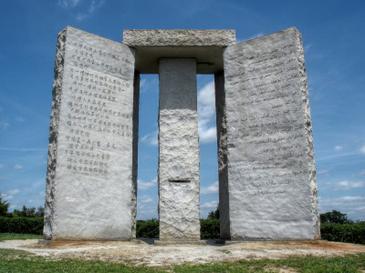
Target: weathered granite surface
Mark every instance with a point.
(178, 151)
(270, 165)
(267, 186)
(224, 219)
(90, 188)
(206, 46)
(178, 37)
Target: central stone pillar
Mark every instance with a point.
(178, 151)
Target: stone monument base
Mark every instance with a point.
(141, 253)
(180, 242)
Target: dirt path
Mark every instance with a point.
(142, 253)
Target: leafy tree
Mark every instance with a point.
(147, 228)
(4, 206)
(213, 214)
(40, 212)
(25, 212)
(336, 217)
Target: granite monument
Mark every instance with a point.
(267, 179)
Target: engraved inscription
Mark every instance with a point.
(270, 168)
(90, 186)
(96, 121)
(269, 128)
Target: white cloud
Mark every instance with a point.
(206, 101)
(13, 192)
(213, 188)
(338, 148)
(142, 85)
(18, 167)
(209, 205)
(90, 7)
(144, 185)
(346, 184)
(207, 135)
(10, 194)
(146, 200)
(147, 207)
(206, 110)
(360, 209)
(322, 172)
(150, 138)
(94, 6)
(307, 47)
(362, 149)
(336, 155)
(148, 83)
(68, 3)
(350, 204)
(343, 200)
(257, 35)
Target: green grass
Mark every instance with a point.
(15, 261)
(18, 236)
(307, 264)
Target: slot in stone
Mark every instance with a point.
(179, 180)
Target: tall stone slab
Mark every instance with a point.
(91, 174)
(178, 175)
(267, 141)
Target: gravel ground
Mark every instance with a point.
(143, 252)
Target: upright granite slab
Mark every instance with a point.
(178, 176)
(267, 143)
(91, 162)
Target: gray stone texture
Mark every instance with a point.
(178, 174)
(90, 191)
(224, 219)
(178, 37)
(267, 185)
(206, 46)
(269, 162)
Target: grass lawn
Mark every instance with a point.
(14, 261)
(18, 236)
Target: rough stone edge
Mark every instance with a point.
(135, 152)
(309, 136)
(221, 124)
(53, 136)
(138, 42)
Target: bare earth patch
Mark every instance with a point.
(139, 252)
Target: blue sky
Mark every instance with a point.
(334, 38)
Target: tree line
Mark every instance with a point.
(23, 212)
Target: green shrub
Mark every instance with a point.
(4, 206)
(209, 228)
(147, 229)
(349, 233)
(335, 216)
(31, 225)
